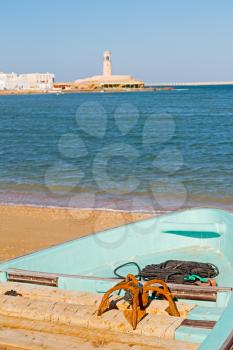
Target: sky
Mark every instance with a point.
(154, 40)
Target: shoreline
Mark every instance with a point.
(41, 206)
(148, 87)
(23, 92)
(26, 229)
(80, 91)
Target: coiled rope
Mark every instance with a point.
(173, 271)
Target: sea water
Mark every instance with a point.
(161, 150)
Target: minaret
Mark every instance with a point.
(107, 64)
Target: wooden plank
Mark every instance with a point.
(200, 288)
(34, 279)
(57, 275)
(198, 323)
(190, 295)
(101, 339)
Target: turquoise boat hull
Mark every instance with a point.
(87, 264)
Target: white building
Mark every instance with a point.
(31, 81)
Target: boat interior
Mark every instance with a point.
(87, 265)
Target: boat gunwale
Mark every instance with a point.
(227, 345)
(159, 216)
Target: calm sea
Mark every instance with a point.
(130, 151)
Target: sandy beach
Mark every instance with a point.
(25, 229)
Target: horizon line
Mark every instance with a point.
(197, 83)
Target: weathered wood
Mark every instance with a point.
(163, 326)
(44, 293)
(101, 339)
(57, 275)
(33, 279)
(198, 323)
(199, 288)
(191, 295)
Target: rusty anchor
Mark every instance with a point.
(139, 298)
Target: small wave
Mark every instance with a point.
(41, 206)
(183, 89)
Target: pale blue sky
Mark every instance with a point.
(155, 40)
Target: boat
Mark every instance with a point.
(91, 264)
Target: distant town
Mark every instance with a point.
(13, 83)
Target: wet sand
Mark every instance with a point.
(25, 229)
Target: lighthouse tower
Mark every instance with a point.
(107, 64)
(109, 81)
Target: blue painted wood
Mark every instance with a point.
(206, 313)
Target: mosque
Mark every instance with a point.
(107, 80)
